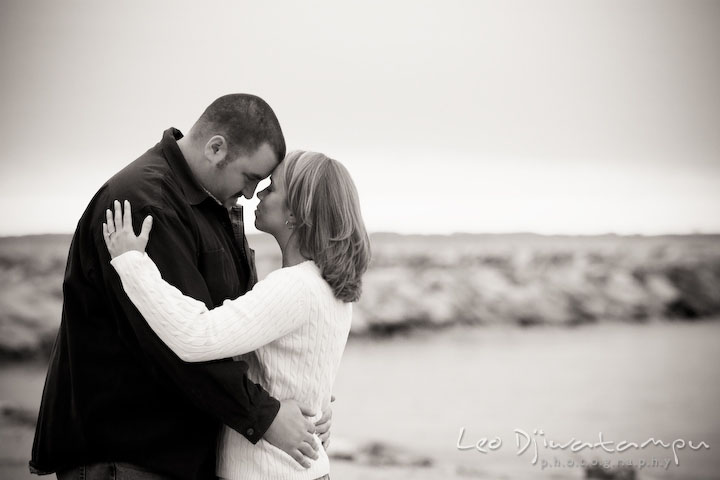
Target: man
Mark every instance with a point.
(116, 399)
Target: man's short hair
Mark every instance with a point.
(246, 122)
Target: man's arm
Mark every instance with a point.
(221, 389)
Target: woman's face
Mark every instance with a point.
(272, 211)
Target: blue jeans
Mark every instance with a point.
(109, 471)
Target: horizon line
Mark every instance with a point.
(451, 234)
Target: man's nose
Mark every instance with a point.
(249, 192)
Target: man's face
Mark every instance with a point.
(240, 175)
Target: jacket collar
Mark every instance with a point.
(192, 189)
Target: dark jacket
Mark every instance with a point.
(114, 391)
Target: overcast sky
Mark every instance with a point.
(545, 116)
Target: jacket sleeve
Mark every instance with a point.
(220, 388)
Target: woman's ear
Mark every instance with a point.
(216, 149)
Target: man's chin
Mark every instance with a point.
(231, 202)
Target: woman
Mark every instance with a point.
(291, 328)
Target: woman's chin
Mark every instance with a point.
(259, 226)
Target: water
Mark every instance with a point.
(20, 384)
(630, 382)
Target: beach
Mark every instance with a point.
(413, 394)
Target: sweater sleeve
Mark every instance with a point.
(273, 308)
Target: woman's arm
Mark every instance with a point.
(272, 309)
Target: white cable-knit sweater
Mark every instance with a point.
(290, 329)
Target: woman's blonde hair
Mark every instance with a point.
(329, 226)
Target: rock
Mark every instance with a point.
(343, 449)
(376, 454)
(17, 415)
(699, 287)
(418, 282)
(621, 472)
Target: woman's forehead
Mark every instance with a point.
(279, 172)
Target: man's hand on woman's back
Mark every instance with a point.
(292, 432)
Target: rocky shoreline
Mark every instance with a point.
(436, 282)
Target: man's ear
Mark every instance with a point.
(216, 149)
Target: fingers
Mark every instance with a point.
(309, 427)
(307, 412)
(146, 227)
(326, 443)
(301, 459)
(308, 450)
(118, 231)
(322, 428)
(323, 425)
(326, 416)
(118, 216)
(310, 440)
(324, 436)
(110, 221)
(127, 217)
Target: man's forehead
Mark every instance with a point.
(258, 171)
(265, 161)
(264, 172)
